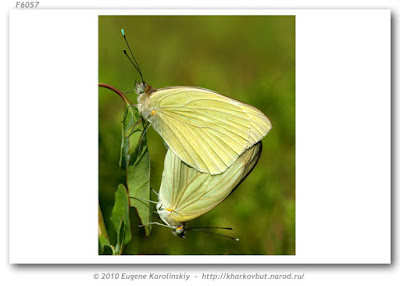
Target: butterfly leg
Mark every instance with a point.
(139, 199)
(143, 133)
(147, 127)
(154, 191)
(133, 127)
(157, 223)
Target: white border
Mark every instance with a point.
(342, 137)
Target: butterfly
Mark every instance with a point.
(186, 193)
(206, 130)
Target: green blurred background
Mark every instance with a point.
(249, 58)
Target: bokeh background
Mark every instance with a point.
(249, 58)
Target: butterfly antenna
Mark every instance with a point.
(196, 229)
(138, 70)
(136, 65)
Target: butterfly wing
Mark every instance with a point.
(206, 130)
(190, 193)
(250, 159)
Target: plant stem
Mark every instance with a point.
(116, 91)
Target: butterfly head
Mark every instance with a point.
(140, 87)
(164, 212)
(180, 230)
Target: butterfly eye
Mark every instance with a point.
(140, 87)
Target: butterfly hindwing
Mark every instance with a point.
(190, 193)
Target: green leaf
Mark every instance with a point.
(121, 234)
(135, 160)
(102, 226)
(104, 242)
(108, 250)
(105, 248)
(120, 212)
(132, 129)
(138, 181)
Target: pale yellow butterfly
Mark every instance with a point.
(186, 194)
(206, 130)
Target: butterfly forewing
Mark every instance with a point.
(206, 130)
